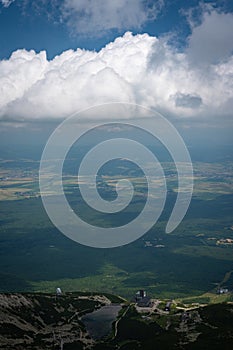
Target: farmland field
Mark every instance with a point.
(35, 256)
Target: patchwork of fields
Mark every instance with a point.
(35, 256)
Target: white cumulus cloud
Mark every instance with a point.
(93, 17)
(134, 68)
(211, 40)
(7, 3)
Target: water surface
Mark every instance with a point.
(99, 323)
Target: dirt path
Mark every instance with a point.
(225, 278)
(117, 321)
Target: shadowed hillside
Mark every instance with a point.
(45, 321)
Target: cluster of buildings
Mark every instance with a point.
(222, 291)
(142, 300)
(225, 241)
(150, 244)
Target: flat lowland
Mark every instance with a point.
(35, 256)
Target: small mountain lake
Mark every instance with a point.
(99, 323)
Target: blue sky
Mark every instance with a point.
(57, 57)
(37, 25)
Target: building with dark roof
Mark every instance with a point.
(144, 302)
(168, 306)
